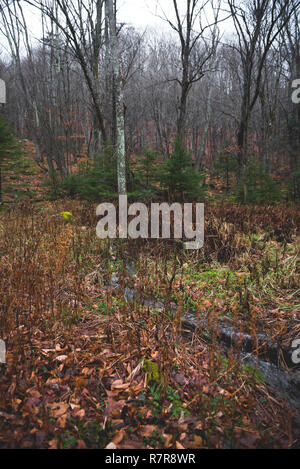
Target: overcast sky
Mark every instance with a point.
(142, 14)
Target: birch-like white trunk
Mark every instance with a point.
(118, 94)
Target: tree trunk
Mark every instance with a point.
(182, 110)
(118, 97)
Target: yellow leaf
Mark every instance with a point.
(67, 216)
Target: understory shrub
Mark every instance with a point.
(261, 187)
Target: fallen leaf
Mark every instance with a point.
(53, 444)
(81, 382)
(118, 437)
(61, 358)
(147, 430)
(119, 385)
(179, 445)
(168, 440)
(81, 444)
(79, 413)
(111, 446)
(58, 409)
(197, 443)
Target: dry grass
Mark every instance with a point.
(128, 371)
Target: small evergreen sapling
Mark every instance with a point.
(179, 177)
(8, 145)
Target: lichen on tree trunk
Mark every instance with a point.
(118, 96)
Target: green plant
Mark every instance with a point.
(148, 168)
(146, 175)
(93, 434)
(253, 374)
(93, 181)
(68, 441)
(178, 176)
(54, 186)
(294, 186)
(226, 164)
(261, 188)
(154, 439)
(174, 399)
(151, 368)
(8, 146)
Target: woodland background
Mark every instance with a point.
(93, 94)
(125, 344)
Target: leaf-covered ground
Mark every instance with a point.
(97, 352)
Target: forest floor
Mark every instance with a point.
(23, 179)
(98, 355)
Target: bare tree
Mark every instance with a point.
(258, 23)
(190, 30)
(212, 67)
(80, 22)
(291, 42)
(110, 13)
(13, 27)
(42, 89)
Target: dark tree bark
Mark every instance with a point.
(258, 24)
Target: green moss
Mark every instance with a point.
(151, 368)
